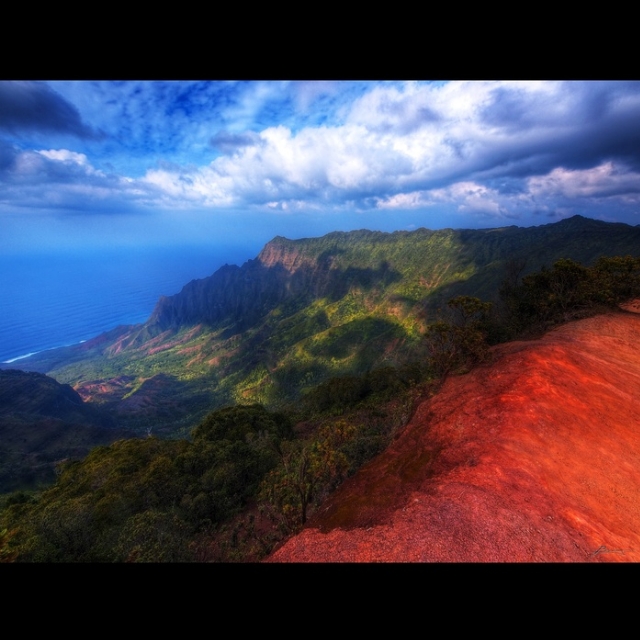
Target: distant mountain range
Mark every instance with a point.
(303, 311)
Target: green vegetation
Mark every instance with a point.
(321, 363)
(308, 310)
(528, 307)
(148, 499)
(568, 291)
(462, 341)
(152, 500)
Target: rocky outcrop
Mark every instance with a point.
(246, 294)
(534, 457)
(286, 254)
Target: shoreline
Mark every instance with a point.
(33, 353)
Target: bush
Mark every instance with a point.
(462, 342)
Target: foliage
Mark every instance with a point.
(144, 499)
(244, 423)
(461, 342)
(6, 553)
(342, 393)
(569, 290)
(307, 471)
(356, 417)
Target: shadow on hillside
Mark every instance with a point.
(241, 298)
(492, 251)
(163, 403)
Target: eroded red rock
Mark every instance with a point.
(532, 457)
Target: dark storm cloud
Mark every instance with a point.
(594, 123)
(33, 107)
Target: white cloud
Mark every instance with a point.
(487, 148)
(393, 141)
(64, 155)
(605, 180)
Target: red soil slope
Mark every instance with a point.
(533, 457)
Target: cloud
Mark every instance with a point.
(28, 107)
(8, 153)
(64, 179)
(465, 197)
(473, 144)
(604, 181)
(560, 192)
(490, 149)
(228, 142)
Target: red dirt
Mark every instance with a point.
(532, 458)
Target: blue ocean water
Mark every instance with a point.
(54, 300)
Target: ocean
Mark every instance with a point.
(53, 300)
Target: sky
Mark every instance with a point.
(88, 165)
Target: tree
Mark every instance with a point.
(308, 471)
(461, 342)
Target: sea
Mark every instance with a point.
(59, 299)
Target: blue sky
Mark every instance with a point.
(86, 165)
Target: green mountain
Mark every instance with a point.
(41, 423)
(304, 311)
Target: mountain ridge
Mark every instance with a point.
(296, 255)
(305, 310)
(532, 457)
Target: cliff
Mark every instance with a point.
(534, 457)
(409, 265)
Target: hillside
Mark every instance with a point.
(41, 423)
(532, 457)
(304, 311)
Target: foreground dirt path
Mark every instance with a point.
(534, 457)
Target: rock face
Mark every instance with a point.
(231, 294)
(534, 457)
(282, 271)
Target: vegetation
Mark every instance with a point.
(345, 304)
(463, 340)
(568, 291)
(166, 500)
(148, 499)
(320, 367)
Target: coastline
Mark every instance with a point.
(34, 353)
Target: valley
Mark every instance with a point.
(252, 405)
(304, 311)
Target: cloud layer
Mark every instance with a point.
(490, 151)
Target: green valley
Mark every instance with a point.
(306, 310)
